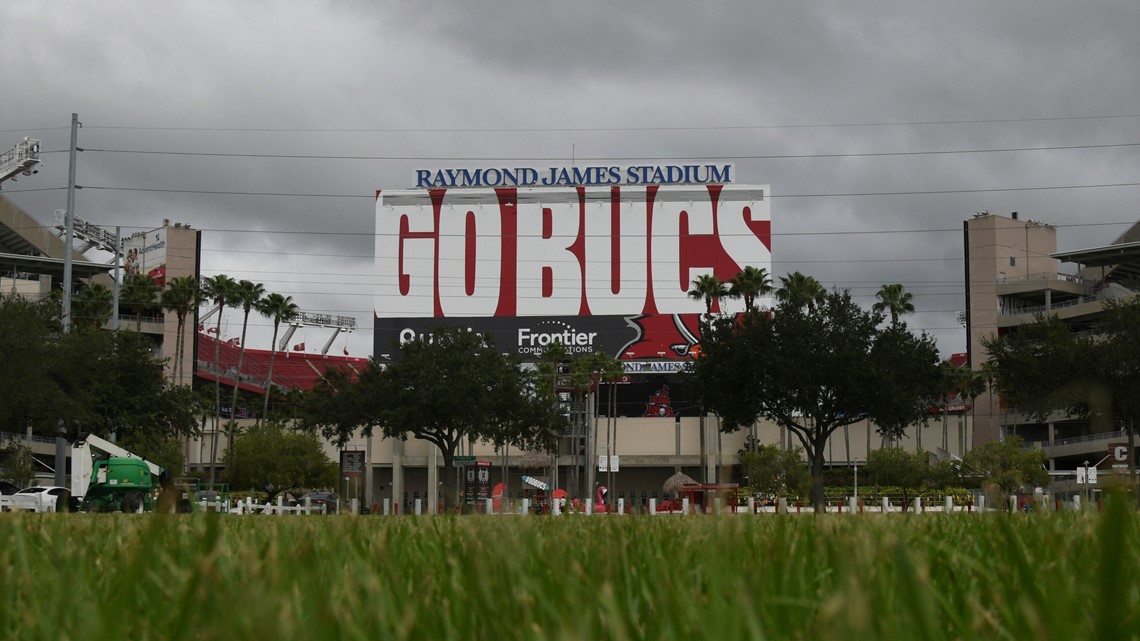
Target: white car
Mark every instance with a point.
(41, 499)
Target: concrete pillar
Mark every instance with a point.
(886, 505)
(652, 507)
(419, 507)
(949, 507)
(387, 506)
(918, 505)
(354, 505)
(853, 504)
(621, 506)
(589, 507)
(782, 505)
(489, 506)
(685, 505)
(526, 507)
(751, 505)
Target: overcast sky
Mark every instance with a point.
(427, 85)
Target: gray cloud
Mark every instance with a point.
(427, 82)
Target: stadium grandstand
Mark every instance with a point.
(291, 369)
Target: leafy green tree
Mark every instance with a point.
(771, 471)
(1006, 466)
(279, 309)
(92, 308)
(751, 283)
(446, 388)
(140, 293)
(909, 471)
(162, 450)
(814, 366)
(28, 330)
(181, 296)
(895, 301)
(110, 382)
(17, 465)
(272, 458)
(710, 289)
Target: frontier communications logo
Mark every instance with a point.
(535, 340)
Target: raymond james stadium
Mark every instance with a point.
(597, 260)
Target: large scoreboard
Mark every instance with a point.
(598, 259)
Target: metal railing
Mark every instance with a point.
(24, 437)
(1101, 436)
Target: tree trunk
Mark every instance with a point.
(818, 499)
(269, 377)
(217, 396)
(450, 493)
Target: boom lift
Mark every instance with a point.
(108, 478)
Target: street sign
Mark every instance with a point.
(1092, 475)
(603, 463)
(460, 461)
(1121, 455)
(1082, 475)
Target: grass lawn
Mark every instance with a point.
(1070, 577)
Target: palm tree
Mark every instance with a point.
(140, 293)
(93, 306)
(180, 296)
(801, 290)
(971, 385)
(248, 296)
(894, 300)
(280, 309)
(751, 283)
(709, 288)
(220, 290)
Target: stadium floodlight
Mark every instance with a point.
(24, 159)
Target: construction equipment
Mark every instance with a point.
(108, 478)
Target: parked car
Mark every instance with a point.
(328, 499)
(43, 498)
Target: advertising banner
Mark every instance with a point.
(593, 268)
(145, 253)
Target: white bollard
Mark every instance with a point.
(355, 503)
(652, 507)
(249, 505)
(621, 506)
(949, 505)
(556, 507)
(853, 505)
(751, 505)
(886, 505)
(526, 507)
(717, 505)
(981, 503)
(782, 508)
(1013, 503)
(589, 507)
(419, 507)
(685, 505)
(489, 506)
(918, 505)
(387, 506)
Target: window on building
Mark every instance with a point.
(1013, 261)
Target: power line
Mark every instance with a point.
(931, 152)
(614, 129)
(927, 192)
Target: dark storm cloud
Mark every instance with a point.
(442, 83)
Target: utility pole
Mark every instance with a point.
(69, 232)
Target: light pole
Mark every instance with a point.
(856, 465)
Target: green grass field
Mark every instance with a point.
(1068, 577)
